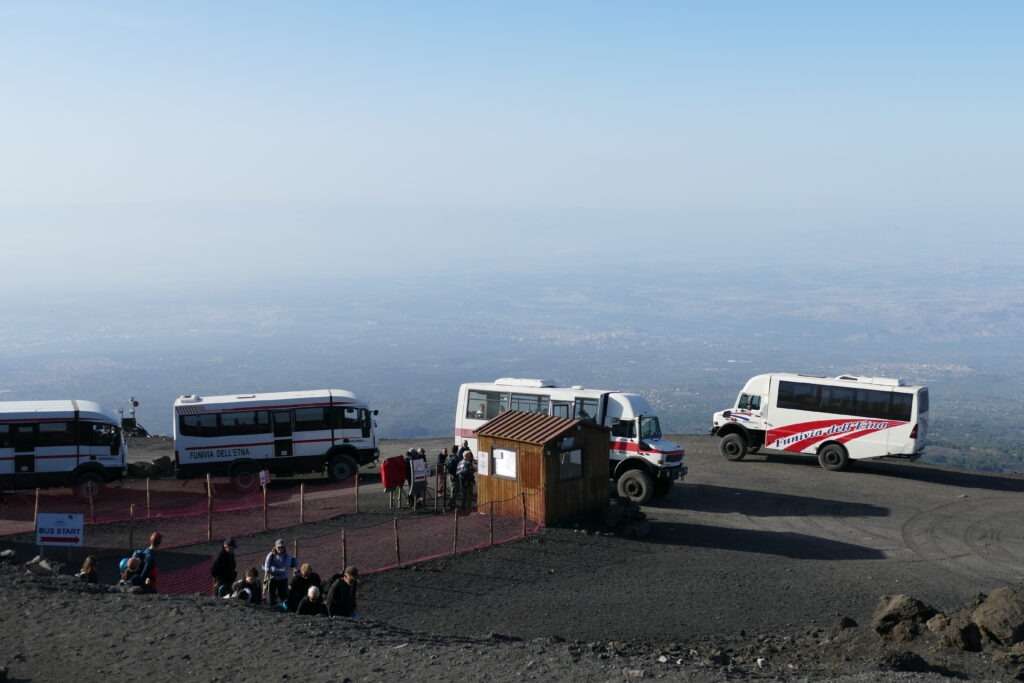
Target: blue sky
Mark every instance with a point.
(382, 119)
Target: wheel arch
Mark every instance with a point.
(628, 464)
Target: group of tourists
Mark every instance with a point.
(460, 471)
(286, 584)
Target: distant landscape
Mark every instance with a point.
(686, 338)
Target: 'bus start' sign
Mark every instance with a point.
(59, 528)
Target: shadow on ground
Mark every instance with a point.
(724, 499)
(784, 544)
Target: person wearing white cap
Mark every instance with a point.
(275, 573)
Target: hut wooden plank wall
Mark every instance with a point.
(544, 469)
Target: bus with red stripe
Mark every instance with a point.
(286, 433)
(642, 462)
(60, 443)
(837, 419)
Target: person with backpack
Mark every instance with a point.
(223, 569)
(467, 480)
(451, 468)
(275, 573)
(341, 598)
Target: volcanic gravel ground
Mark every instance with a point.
(749, 559)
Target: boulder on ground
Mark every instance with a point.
(962, 633)
(41, 566)
(1001, 616)
(6, 556)
(139, 470)
(938, 623)
(894, 610)
(162, 466)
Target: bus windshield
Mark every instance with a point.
(650, 428)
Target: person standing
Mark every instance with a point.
(451, 468)
(275, 572)
(467, 480)
(223, 569)
(341, 598)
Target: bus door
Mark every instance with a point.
(23, 438)
(282, 433)
(561, 409)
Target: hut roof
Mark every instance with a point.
(533, 428)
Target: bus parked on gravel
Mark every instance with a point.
(642, 463)
(60, 443)
(286, 433)
(837, 419)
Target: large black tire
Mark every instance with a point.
(88, 484)
(733, 446)
(245, 477)
(833, 457)
(637, 486)
(341, 467)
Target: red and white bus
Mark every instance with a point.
(837, 419)
(56, 443)
(293, 432)
(642, 462)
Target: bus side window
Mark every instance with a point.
(744, 402)
(755, 403)
(624, 428)
(586, 409)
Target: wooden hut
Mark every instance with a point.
(560, 464)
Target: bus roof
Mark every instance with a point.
(528, 387)
(283, 398)
(43, 410)
(845, 380)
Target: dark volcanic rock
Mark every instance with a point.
(905, 661)
(901, 611)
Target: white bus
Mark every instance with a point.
(59, 443)
(287, 433)
(643, 464)
(837, 419)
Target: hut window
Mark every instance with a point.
(504, 463)
(530, 404)
(485, 405)
(570, 464)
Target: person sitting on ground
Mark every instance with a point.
(88, 571)
(223, 569)
(130, 568)
(341, 598)
(300, 585)
(312, 605)
(276, 567)
(148, 574)
(248, 589)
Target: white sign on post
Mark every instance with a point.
(60, 528)
(264, 478)
(483, 463)
(419, 470)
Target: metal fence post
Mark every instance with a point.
(131, 526)
(92, 507)
(302, 502)
(147, 498)
(295, 549)
(35, 512)
(455, 531)
(490, 526)
(344, 550)
(357, 491)
(398, 547)
(209, 508)
(523, 494)
(266, 516)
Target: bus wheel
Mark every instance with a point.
(245, 478)
(733, 446)
(637, 486)
(341, 467)
(833, 457)
(88, 485)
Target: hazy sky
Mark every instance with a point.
(234, 137)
